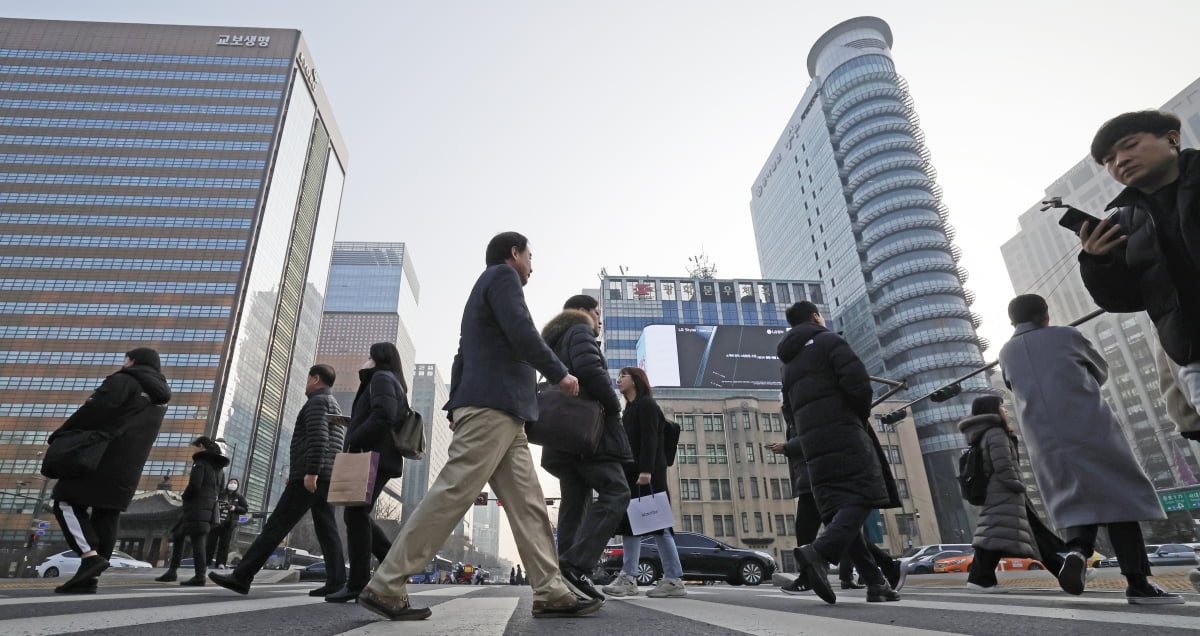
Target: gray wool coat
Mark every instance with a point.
(1003, 525)
(1081, 459)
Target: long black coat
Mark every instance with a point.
(133, 400)
(1003, 522)
(1134, 276)
(379, 406)
(797, 467)
(200, 496)
(828, 392)
(572, 336)
(316, 439)
(499, 348)
(643, 421)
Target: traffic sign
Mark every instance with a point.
(1180, 499)
(243, 518)
(43, 525)
(41, 533)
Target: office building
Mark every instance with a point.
(485, 528)
(1042, 258)
(372, 297)
(429, 395)
(168, 186)
(848, 197)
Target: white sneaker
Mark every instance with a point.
(623, 585)
(1194, 579)
(991, 589)
(668, 588)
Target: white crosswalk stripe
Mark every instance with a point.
(453, 617)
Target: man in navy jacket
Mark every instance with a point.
(492, 395)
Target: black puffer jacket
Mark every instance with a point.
(316, 439)
(572, 336)
(132, 399)
(828, 391)
(1003, 522)
(379, 406)
(643, 421)
(200, 496)
(232, 499)
(1135, 276)
(797, 467)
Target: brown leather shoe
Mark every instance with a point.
(393, 608)
(569, 606)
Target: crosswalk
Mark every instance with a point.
(497, 610)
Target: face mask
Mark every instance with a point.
(232, 486)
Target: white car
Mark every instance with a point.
(67, 563)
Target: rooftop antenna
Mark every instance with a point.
(701, 268)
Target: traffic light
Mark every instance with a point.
(33, 539)
(894, 416)
(482, 499)
(945, 393)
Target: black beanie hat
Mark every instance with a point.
(144, 356)
(986, 405)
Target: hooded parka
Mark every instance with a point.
(131, 401)
(200, 511)
(1003, 525)
(828, 393)
(572, 337)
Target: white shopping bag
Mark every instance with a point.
(650, 512)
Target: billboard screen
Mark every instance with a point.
(705, 356)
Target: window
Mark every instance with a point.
(714, 489)
(902, 488)
(737, 453)
(754, 487)
(893, 453)
(791, 525)
(691, 454)
(780, 528)
(713, 423)
(692, 523)
(776, 492)
(758, 522)
(689, 489)
(786, 486)
(725, 491)
(722, 454)
(686, 422)
(750, 453)
(906, 525)
(741, 488)
(745, 523)
(730, 531)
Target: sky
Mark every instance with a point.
(628, 133)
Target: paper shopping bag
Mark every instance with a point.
(353, 480)
(650, 512)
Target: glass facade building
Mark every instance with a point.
(169, 186)
(851, 174)
(1042, 259)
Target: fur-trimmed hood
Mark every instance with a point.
(554, 330)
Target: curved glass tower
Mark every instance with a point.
(868, 220)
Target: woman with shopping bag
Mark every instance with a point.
(379, 406)
(647, 478)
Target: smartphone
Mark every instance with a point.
(1074, 219)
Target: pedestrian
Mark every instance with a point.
(828, 393)
(584, 524)
(201, 511)
(647, 475)
(380, 406)
(131, 404)
(520, 580)
(317, 437)
(492, 395)
(1083, 464)
(1003, 527)
(512, 576)
(232, 505)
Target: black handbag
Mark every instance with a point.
(408, 436)
(566, 423)
(75, 453)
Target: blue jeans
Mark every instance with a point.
(667, 553)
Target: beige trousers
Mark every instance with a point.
(489, 447)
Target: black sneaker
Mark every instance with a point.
(1071, 576)
(1151, 595)
(579, 583)
(796, 587)
(881, 593)
(325, 590)
(814, 569)
(89, 569)
(851, 585)
(230, 582)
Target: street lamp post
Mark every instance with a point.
(33, 523)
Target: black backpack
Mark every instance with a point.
(671, 430)
(973, 474)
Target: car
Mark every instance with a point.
(920, 551)
(703, 559)
(962, 562)
(314, 572)
(1171, 554)
(67, 563)
(924, 564)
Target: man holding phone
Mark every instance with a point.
(1146, 256)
